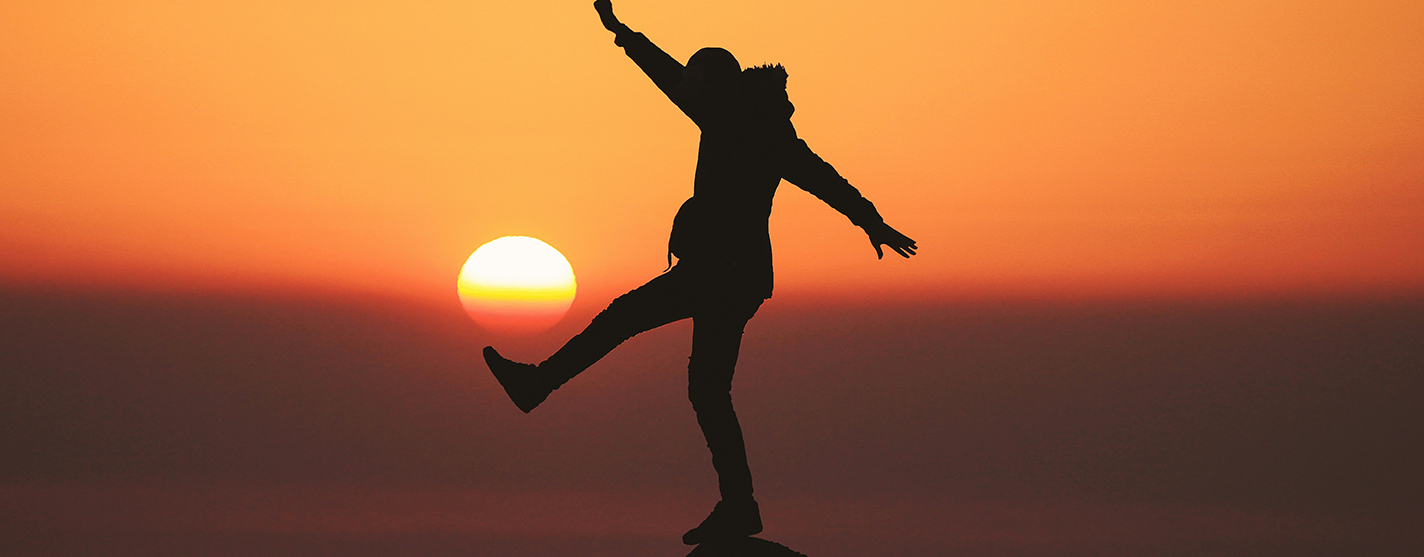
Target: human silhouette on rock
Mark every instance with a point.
(723, 248)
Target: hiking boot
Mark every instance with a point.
(729, 519)
(524, 383)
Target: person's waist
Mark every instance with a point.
(719, 259)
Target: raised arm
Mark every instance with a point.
(664, 70)
(807, 171)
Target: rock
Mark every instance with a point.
(743, 547)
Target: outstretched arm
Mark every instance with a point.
(664, 70)
(807, 171)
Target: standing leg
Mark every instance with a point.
(716, 341)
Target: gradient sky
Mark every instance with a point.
(1169, 297)
(1059, 148)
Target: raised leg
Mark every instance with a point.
(661, 301)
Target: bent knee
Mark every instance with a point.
(709, 394)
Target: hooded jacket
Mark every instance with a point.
(748, 146)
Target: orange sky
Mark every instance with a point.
(1080, 148)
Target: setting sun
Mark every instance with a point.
(516, 285)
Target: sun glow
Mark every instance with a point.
(516, 285)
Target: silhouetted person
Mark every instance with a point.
(723, 249)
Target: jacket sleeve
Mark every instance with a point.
(807, 171)
(664, 70)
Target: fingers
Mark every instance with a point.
(905, 249)
(899, 243)
(906, 246)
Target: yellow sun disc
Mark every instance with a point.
(516, 285)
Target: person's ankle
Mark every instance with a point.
(551, 377)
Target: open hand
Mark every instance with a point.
(882, 235)
(605, 14)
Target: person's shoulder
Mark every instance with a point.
(766, 77)
(764, 88)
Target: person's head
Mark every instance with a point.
(712, 64)
(709, 68)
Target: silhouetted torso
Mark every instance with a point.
(748, 146)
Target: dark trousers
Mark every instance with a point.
(719, 315)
